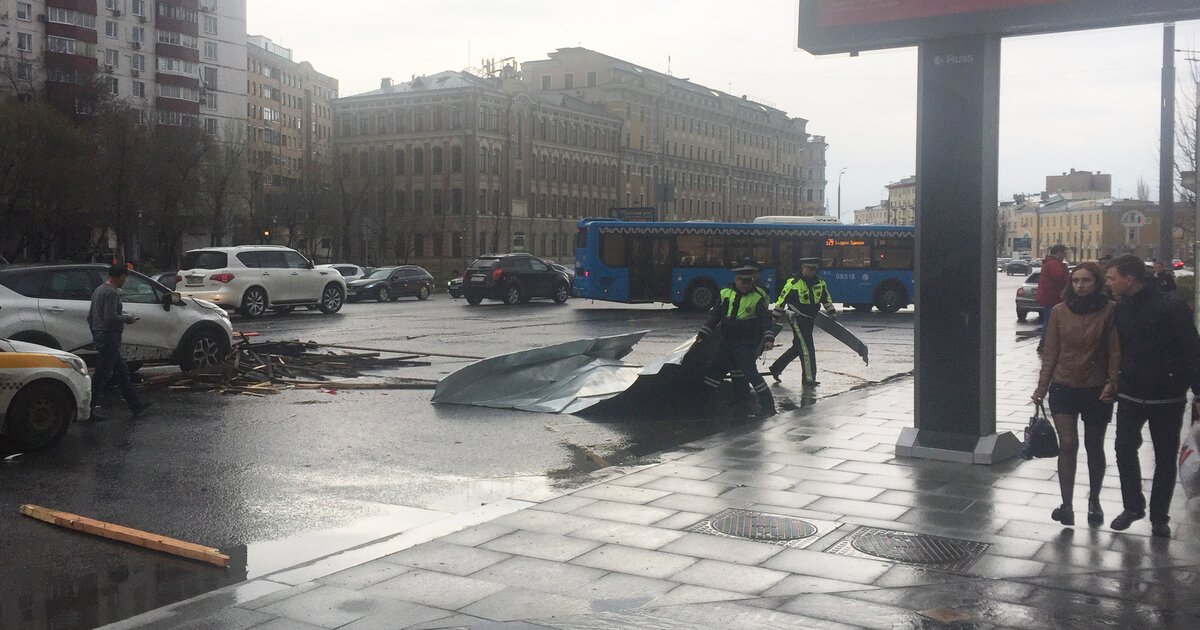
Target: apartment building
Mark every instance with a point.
(183, 62)
(691, 151)
(289, 124)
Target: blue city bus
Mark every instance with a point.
(686, 264)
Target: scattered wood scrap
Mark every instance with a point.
(127, 535)
(263, 369)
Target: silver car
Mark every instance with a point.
(1027, 296)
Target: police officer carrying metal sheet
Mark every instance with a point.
(803, 297)
(742, 319)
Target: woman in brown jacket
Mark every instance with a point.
(1079, 369)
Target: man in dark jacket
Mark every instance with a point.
(1053, 279)
(1165, 278)
(107, 321)
(1160, 360)
(742, 318)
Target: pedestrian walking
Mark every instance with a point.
(1051, 283)
(1160, 360)
(1165, 278)
(742, 320)
(803, 296)
(1079, 370)
(107, 320)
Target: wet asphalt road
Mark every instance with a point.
(269, 479)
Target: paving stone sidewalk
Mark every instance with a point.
(637, 550)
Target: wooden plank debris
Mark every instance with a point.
(263, 369)
(127, 535)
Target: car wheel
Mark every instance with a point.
(39, 416)
(512, 295)
(474, 300)
(254, 303)
(423, 293)
(332, 298)
(701, 296)
(561, 293)
(384, 295)
(1022, 314)
(890, 298)
(204, 349)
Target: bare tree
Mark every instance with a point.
(224, 181)
(1143, 189)
(122, 160)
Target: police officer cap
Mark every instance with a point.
(748, 268)
(814, 262)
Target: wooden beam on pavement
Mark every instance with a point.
(127, 535)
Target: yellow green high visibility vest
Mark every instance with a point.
(747, 307)
(803, 295)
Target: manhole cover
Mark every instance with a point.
(929, 551)
(775, 529)
(761, 526)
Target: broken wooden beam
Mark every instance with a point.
(127, 535)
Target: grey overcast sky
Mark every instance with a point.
(1086, 100)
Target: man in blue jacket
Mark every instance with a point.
(1160, 360)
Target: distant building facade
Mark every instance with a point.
(1077, 185)
(872, 215)
(289, 128)
(449, 166)
(902, 202)
(691, 151)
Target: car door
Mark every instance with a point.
(65, 301)
(400, 282)
(19, 311)
(157, 332)
(277, 277)
(306, 282)
(542, 276)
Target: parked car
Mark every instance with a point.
(167, 279)
(1001, 263)
(1176, 264)
(514, 278)
(348, 271)
(44, 390)
(49, 306)
(1027, 296)
(393, 283)
(455, 287)
(1018, 268)
(256, 278)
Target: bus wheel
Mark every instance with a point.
(701, 296)
(890, 298)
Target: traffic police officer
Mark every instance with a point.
(742, 318)
(806, 294)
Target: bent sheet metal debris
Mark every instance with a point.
(564, 378)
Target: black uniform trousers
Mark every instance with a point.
(1166, 423)
(739, 356)
(802, 348)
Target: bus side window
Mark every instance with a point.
(894, 254)
(690, 250)
(613, 250)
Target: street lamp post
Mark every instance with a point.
(839, 212)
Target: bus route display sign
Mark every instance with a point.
(841, 26)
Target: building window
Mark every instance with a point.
(24, 71)
(210, 50)
(210, 77)
(210, 125)
(456, 241)
(112, 29)
(496, 162)
(112, 86)
(139, 89)
(546, 82)
(437, 160)
(456, 201)
(483, 159)
(456, 165)
(439, 201)
(591, 79)
(399, 160)
(418, 203)
(24, 11)
(210, 101)
(138, 7)
(111, 58)
(456, 119)
(569, 81)
(419, 161)
(24, 42)
(210, 24)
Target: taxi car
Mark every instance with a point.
(42, 391)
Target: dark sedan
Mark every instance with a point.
(388, 284)
(1018, 268)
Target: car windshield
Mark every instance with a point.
(484, 263)
(380, 274)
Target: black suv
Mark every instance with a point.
(514, 278)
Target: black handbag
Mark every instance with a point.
(1040, 438)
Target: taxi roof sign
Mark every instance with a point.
(841, 26)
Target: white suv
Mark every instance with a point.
(255, 278)
(49, 306)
